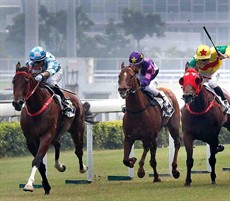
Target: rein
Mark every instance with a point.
(30, 93)
(212, 103)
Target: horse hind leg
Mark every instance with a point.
(78, 142)
(212, 162)
(58, 165)
(153, 162)
(174, 132)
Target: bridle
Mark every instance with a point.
(30, 91)
(131, 91)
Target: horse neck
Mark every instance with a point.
(136, 101)
(201, 102)
(37, 99)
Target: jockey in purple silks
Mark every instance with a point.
(148, 71)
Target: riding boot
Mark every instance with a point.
(69, 109)
(89, 117)
(219, 92)
(168, 109)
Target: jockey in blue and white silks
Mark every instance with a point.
(43, 64)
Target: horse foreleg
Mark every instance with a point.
(153, 162)
(45, 183)
(37, 163)
(58, 165)
(129, 162)
(141, 171)
(29, 185)
(188, 142)
(212, 162)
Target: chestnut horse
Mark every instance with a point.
(202, 119)
(143, 122)
(42, 123)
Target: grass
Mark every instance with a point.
(14, 171)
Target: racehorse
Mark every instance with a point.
(143, 122)
(43, 123)
(202, 119)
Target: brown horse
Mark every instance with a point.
(143, 122)
(42, 123)
(202, 119)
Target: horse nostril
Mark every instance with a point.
(21, 102)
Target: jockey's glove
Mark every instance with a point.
(222, 56)
(39, 77)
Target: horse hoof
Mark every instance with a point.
(176, 174)
(60, 167)
(213, 182)
(157, 180)
(187, 185)
(141, 174)
(219, 148)
(28, 188)
(85, 168)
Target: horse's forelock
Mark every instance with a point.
(23, 68)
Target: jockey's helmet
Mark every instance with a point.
(136, 58)
(203, 52)
(37, 54)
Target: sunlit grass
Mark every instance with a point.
(14, 171)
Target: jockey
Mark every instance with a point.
(45, 67)
(208, 62)
(148, 70)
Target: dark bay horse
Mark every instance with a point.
(202, 119)
(143, 122)
(42, 123)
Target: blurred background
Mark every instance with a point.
(91, 38)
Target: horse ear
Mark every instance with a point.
(186, 66)
(198, 80)
(135, 69)
(18, 65)
(122, 65)
(27, 67)
(181, 81)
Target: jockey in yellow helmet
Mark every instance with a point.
(208, 62)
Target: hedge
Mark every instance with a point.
(106, 135)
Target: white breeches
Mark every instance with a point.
(55, 78)
(152, 87)
(212, 83)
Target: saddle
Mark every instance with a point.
(153, 102)
(65, 104)
(167, 110)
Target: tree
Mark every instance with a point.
(139, 25)
(52, 32)
(15, 41)
(113, 42)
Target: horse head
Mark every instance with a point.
(128, 83)
(191, 84)
(22, 87)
